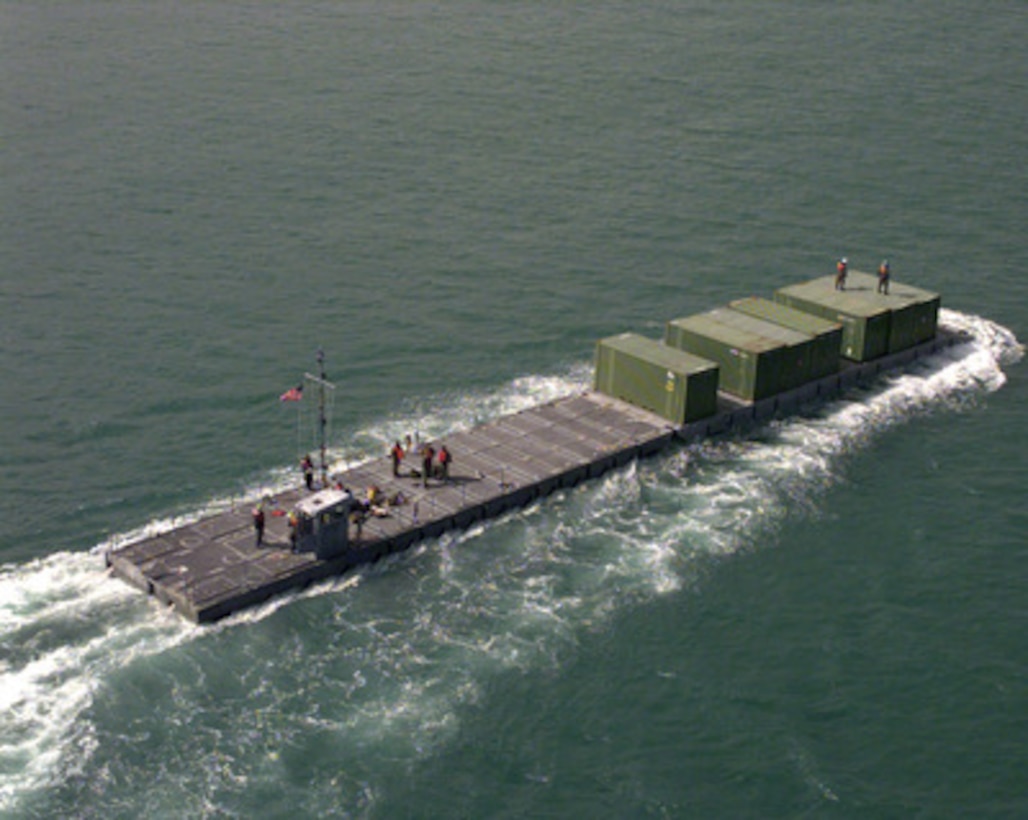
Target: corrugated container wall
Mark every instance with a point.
(865, 319)
(826, 336)
(672, 383)
(757, 359)
(914, 313)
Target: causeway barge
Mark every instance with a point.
(213, 567)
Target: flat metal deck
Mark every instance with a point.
(213, 567)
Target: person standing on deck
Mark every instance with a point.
(426, 463)
(258, 523)
(397, 455)
(294, 524)
(841, 267)
(308, 471)
(883, 277)
(444, 463)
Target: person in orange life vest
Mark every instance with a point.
(397, 455)
(444, 463)
(426, 463)
(840, 273)
(883, 277)
(258, 523)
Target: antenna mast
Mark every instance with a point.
(324, 409)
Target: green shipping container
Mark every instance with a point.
(914, 313)
(826, 336)
(865, 318)
(672, 383)
(757, 359)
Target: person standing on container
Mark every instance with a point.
(883, 277)
(841, 267)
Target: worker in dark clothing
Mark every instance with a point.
(294, 524)
(841, 267)
(883, 277)
(426, 463)
(258, 523)
(308, 471)
(397, 455)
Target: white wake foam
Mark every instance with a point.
(64, 629)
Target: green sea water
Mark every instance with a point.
(455, 200)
